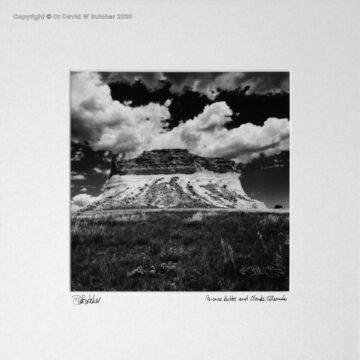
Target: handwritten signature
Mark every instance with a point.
(82, 300)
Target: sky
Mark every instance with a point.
(241, 116)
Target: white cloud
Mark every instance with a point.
(101, 171)
(97, 170)
(77, 176)
(83, 189)
(81, 200)
(168, 102)
(248, 140)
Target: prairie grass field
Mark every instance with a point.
(180, 251)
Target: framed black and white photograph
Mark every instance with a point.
(179, 180)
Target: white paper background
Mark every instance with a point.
(317, 41)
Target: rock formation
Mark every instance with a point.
(173, 179)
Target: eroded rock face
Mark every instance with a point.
(173, 179)
(172, 161)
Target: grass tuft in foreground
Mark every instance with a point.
(184, 251)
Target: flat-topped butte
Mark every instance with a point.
(169, 161)
(173, 178)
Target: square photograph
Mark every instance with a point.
(180, 181)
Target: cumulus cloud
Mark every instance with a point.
(81, 200)
(107, 124)
(101, 171)
(121, 129)
(205, 135)
(248, 140)
(76, 176)
(97, 170)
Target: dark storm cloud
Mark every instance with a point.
(264, 82)
(212, 83)
(208, 83)
(200, 82)
(150, 79)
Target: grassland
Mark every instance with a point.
(180, 251)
